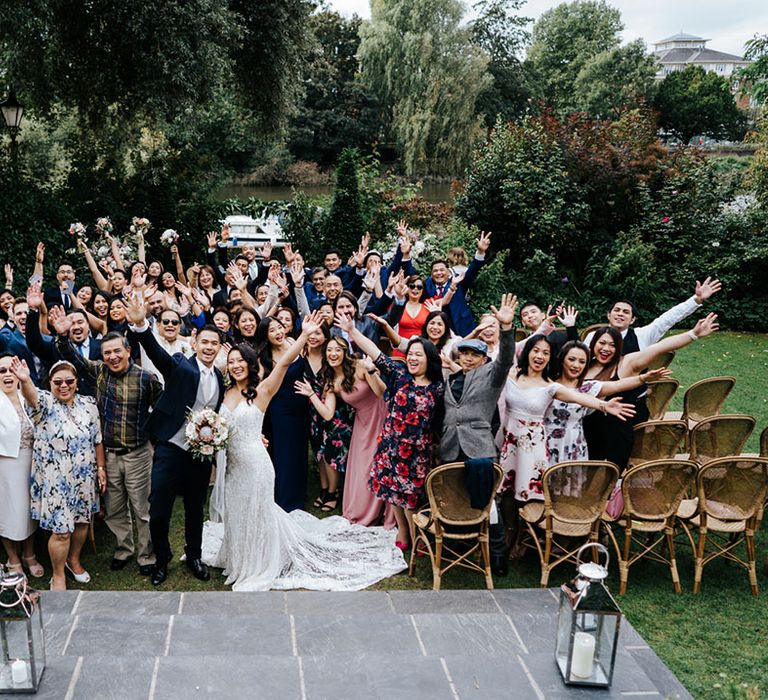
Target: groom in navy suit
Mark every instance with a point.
(191, 383)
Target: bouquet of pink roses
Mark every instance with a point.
(206, 433)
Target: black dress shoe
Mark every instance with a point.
(198, 569)
(119, 564)
(146, 569)
(159, 574)
(499, 565)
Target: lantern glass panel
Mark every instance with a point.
(22, 653)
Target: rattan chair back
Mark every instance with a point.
(584, 333)
(521, 334)
(764, 442)
(663, 360)
(657, 439)
(733, 488)
(653, 490)
(705, 398)
(659, 396)
(577, 492)
(449, 500)
(720, 436)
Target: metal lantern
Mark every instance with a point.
(22, 649)
(588, 625)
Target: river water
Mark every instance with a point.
(432, 192)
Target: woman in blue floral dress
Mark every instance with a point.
(405, 451)
(67, 466)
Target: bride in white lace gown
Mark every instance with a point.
(259, 545)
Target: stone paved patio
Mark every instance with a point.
(372, 644)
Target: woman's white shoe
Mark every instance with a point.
(85, 577)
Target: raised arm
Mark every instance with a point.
(482, 244)
(268, 387)
(101, 282)
(325, 407)
(394, 337)
(614, 407)
(297, 275)
(367, 346)
(635, 362)
(119, 263)
(37, 272)
(141, 250)
(20, 370)
(633, 382)
(138, 328)
(180, 272)
(505, 315)
(61, 324)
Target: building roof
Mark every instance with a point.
(698, 56)
(682, 37)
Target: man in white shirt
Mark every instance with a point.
(621, 316)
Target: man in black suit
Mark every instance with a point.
(61, 295)
(191, 384)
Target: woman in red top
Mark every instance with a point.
(416, 311)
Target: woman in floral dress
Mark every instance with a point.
(524, 456)
(405, 451)
(67, 466)
(332, 427)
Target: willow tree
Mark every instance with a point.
(427, 74)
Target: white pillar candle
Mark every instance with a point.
(583, 655)
(19, 672)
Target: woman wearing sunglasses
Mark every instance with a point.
(67, 466)
(417, 310)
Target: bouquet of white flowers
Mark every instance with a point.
(140, 225)
(168, 237)
(104, 226)
(78, 230)
(206, 433)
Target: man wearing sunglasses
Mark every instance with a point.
(167, 332)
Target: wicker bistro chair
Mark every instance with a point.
(447, 527)
(521, 334)
(764, 442)
(704, 399)
(719, 436)
(731, 491)
(659, 439)
(586, 331)
(575, 496)
(652, 493)
(659, 395)
(663, 360)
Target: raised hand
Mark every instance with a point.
(433, 305)
(311, 323)
(289, 253)
(369, 281)
(138, 281)
(381, 321)
(266, 250)
(40, 253)
(706, 289)
(297, 273)
(346, 323)
(134, 309)
(365, 241)
(236, 276)
(20, 370)
(81, 247)
(303, 388)
(568, 316)
(402, 228)
(58, 318)
(654, 375)
(367, 362)
(552, 314)
(185, 291)
(149, 290)
(622, 411)
(705, 326)
(104, 265)
(483, 242)
(212, 238)
(405, 244)
(401, 287)
(8, 270)
(34, 296)
(224, 233)
(505, 314)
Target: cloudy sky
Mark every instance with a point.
(727, 23)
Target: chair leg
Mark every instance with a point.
(545, 559)
(670, 537)
(485, 552)
(699, 566)
(749, 540)
(436, 575)
(624, 560)
(412, 560)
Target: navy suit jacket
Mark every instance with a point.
(182, 378)
(458, 310)
(12, 340)
(47, 352)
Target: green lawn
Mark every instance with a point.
(714, 642)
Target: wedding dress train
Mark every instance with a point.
(261, 547)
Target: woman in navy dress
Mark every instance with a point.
(286, 425)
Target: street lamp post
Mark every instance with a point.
(13, 112)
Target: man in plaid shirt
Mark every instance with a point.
(125, 394)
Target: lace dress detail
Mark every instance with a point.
(261, 547)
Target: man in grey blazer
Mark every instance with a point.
(470, 401)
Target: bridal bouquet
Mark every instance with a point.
(77, 229)
(168, 238)
(140, 226)
(206, 432)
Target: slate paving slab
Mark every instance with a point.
(314, 645)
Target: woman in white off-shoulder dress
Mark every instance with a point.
(258, 544)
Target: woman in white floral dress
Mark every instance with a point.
(67, 466)
(524, 456)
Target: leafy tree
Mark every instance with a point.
(564, 39)
(697, 102)
(427, 74)
(344, 223)
(756, 75)
(337, 109)
(502, 33)
(624, 76)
